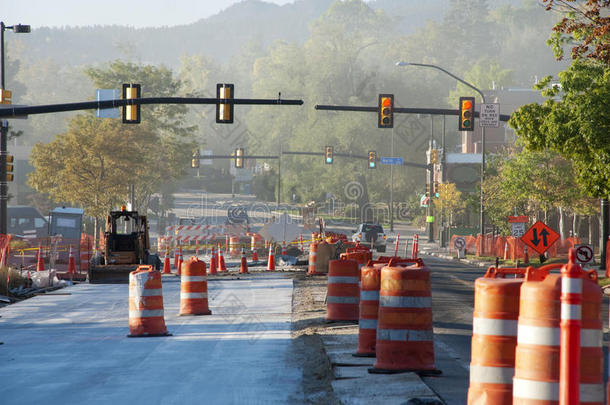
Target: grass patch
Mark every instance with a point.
(603, 281)
(15, 280)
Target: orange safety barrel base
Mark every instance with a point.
(342, 298)
(146, 317)
(404, 332)
(194, 288)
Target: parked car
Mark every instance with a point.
(26, 221)
(370, 233)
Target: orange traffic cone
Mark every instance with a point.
(71, 263)
(284, 248)
(221, 260)
(254, 255)
(40, 260)
(167, 268)
(243, 268)
(271, 261)
(213, 262)
(180, 261)
(175, 257)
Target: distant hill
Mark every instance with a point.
(219, 36)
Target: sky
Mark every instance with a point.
(135, 13)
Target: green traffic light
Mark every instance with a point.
(329, 160)
(466, 124)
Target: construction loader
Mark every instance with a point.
(125, 246)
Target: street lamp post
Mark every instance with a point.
(482, 212)
(18, 28)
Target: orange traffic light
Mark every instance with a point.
(131, 113)
(224, 112)
(385, 113)
(239, 160)
(466, 114)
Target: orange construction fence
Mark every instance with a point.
(494, 246)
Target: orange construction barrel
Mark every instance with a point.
(234, 246)
(404, 329)
(370, 277)
(343, 293)
(194, 288)
(537, 354)
(146, 317)
(494, 337)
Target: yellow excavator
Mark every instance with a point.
(125, 246)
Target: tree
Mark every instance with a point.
(585, 26)
(450, 199)
(93, 164)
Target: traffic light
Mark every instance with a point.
(195, 160)
(131, 113)
(239, 160)
(329, 155)
(5, 96)
(427, 190)
(9, 167)
(224, 112)
(435, 190)
(434, 156)
(466, 114)
(372, 159)
(386, 111)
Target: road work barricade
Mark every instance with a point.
(342, 298)
(313, 253)
(194, 288)
(494, 336)
(537, 356)
(146, 316)
(404, 331)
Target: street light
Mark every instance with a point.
(19, 29)
(482, 213)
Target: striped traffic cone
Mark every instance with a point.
(284, 248)
(71, 262)
(243, 268)
(271, 260)
(167, 268)
(221, 260)
(40, 259)
(180, 261)
(213, 262)
(254, 255)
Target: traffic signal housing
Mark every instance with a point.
(5, 96)
(195, 160)
(385, 114)
(427, 190)
(434, 156)
(466, 114)
(329, 155)
(239, 160)
(224, 111)
(131, 113)
(9, 167)
(372, 159)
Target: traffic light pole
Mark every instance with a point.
(430, 209)
(3, 182)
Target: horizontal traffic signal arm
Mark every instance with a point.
(10, 111)
(433, 111)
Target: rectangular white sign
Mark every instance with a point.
(489, 116)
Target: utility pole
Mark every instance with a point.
(443, 232)
(279, 176)
(430, 209)
(392, 185)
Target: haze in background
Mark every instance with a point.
(138, 13)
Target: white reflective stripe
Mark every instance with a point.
(571, 285)
(193, 278)
(591, 393)
(193, 295)
(342, 280)
(405, 302)
(368, 295)
(570, 311)
(145, 313)
(341, 300)
(367, 323)
(549, 391)
(312, 254)
(494, 327)
(404, 335)
(491, 375)
(529, 389)
(150, 292)
(591, 338)
(538, 335)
